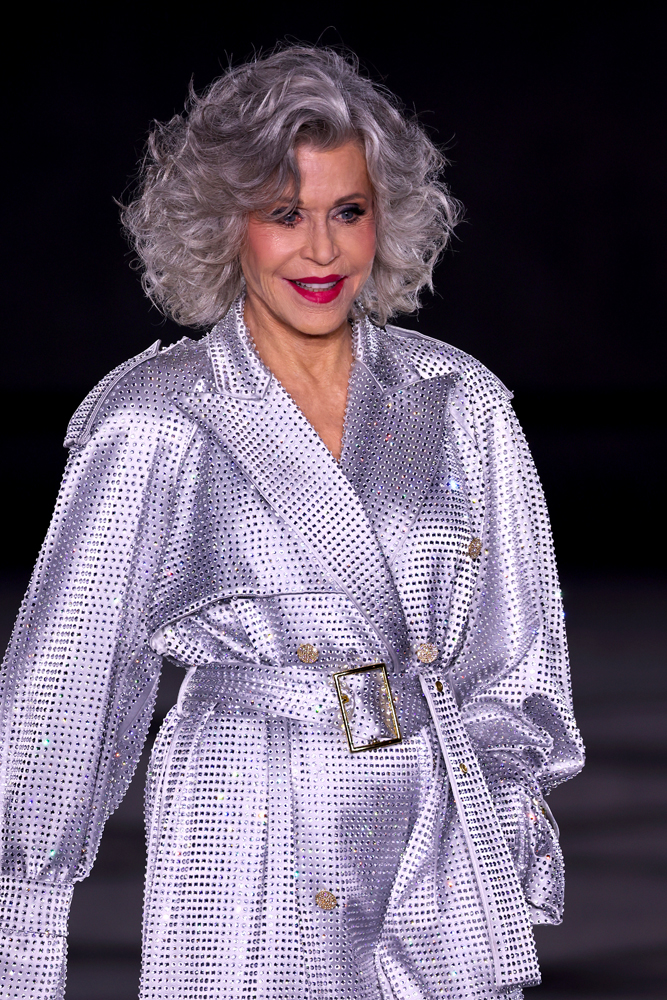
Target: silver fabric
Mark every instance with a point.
(201, 518)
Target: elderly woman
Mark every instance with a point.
(335, 527)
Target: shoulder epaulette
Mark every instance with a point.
(80, 426)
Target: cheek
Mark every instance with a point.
(263, 250)
(363, 245)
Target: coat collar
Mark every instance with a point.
(240, 373)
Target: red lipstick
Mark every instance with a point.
(333, 285)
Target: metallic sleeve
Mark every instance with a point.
(511, 671)
(78, 685)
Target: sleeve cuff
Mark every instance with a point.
(34, 908)
(33, 942)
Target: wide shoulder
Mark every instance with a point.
(431, 358)
(142, 385)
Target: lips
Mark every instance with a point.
(319, 290)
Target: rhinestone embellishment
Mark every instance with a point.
(326, 900)
(475, 548)
(307, 653)
(427, 652)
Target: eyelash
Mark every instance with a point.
(357, 212)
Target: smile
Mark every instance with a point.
(316, 288)
(319, 290)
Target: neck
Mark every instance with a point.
(289, 353)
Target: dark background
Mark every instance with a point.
(554, 121)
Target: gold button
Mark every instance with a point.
(326, 900)
(307, 653)
(438, 686)
(463, 768)
(427, 652)
(475, 548)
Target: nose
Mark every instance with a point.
(320, 246)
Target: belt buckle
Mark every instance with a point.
(388, 707)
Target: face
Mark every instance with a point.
(305, 270)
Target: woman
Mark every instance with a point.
(335, 527)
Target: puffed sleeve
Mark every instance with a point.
(511, 671)
(78, 684)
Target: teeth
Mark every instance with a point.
(316, 288)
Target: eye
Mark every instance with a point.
(289, 219)
(350, 213)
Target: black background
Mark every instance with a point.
(553, 117)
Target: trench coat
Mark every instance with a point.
(202, 518)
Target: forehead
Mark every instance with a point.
(332, 173)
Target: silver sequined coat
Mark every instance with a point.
(201, 518)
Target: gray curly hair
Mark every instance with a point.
(233, 152)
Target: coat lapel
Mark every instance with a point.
(352, 516)
(394, 436)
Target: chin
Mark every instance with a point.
(321, 329)
(318, 320)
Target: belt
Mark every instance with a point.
(372, 707)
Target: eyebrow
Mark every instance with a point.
(358, 195)
(351, 197)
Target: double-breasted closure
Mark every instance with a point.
(195, 483)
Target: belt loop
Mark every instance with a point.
(183, 690)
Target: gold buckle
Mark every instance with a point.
(388, 710)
